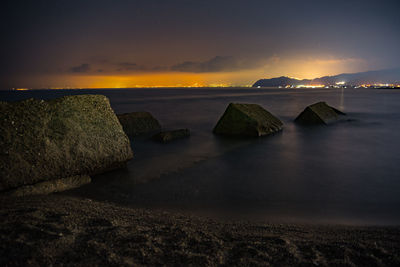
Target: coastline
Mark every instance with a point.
(57, 229)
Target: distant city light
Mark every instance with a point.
(310, 86)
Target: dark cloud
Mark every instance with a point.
(81, 68)
(131, 67)
(159, 68)
(217, 64)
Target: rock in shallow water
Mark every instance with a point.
(47, 187)
(319, 113)
(48, 140)
(136, 123)
(168, 136)
(247, 120)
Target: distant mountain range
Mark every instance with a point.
(360, 78)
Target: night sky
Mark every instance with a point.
(58, 44)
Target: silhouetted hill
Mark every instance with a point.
(280, 81)
(368, 77)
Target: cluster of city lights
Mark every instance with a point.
(310, 86)
(343, 84)
(194, 85)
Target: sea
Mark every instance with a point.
(343, 173)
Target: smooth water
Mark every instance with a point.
(348, 172)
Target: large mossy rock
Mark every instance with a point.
(247, 120)
(49, 140)
(137, 123)
(318, 113)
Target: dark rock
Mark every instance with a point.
(168, 136)
(319, 113)
(247, 120)
(69, 136)
(47, 187)
(136, 123)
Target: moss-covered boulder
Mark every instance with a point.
(247, 120)
(48, 140)
(169, 136)
(137, 123)
(319, 113)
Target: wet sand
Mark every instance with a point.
(63, 230)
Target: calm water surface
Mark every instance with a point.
(348, 172)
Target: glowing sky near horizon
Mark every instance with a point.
(113, 44)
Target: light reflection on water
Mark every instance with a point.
(348, 172)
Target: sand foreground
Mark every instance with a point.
(62, 230)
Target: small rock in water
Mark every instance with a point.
(168, 136)
(247, 120)
(319, 113)
(137, 123)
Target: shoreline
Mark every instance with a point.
(59, 229)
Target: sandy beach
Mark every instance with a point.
(62, 230)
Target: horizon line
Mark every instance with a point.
(134, 87)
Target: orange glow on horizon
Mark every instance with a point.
(143, 80)
(275, 67)
(146, 80)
